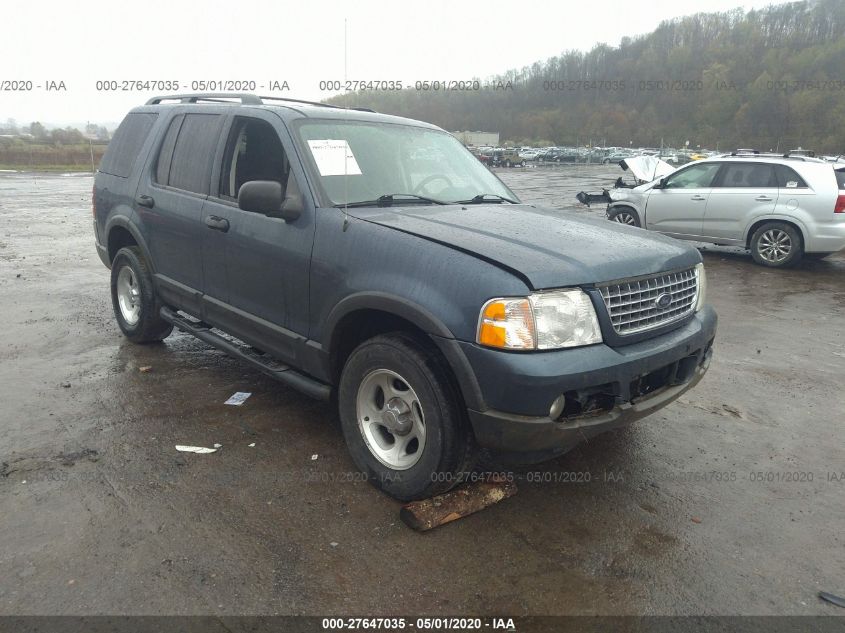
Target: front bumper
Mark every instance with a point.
(616, 385)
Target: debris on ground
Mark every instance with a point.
(732, 410)
(145, 370)
(218, 446)
(66, 385)
(251, 445)
(314, 457)
(829, 597)
(238, 398)
(201, 450)
(69, 459)
(430, 513)
(696, 519)
(334, 544)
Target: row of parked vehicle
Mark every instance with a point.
(520, 156)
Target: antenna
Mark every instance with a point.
(345, 154)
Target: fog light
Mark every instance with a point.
(557, 407)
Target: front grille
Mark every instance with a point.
(631, 304)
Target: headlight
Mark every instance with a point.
(701, 282)
(543, 320)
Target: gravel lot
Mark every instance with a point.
(730, 501)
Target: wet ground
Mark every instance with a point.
(730, 501)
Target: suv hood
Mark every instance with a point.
(547, 248)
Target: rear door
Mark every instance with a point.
(261, 293)
(742, 192)
(170, 198)
(678, 207)
(795, 197)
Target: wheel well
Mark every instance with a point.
(118, 238)
(624, 206)
(760, 223)
(361, 325)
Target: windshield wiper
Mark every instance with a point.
(487, 197)
(387, 200)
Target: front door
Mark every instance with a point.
(677, 208)
(260, 293)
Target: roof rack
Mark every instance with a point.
(245, 99)
(793, 153)
(744, 152)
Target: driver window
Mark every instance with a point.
(694, 177)
(253, 152)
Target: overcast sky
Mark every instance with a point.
(300, 42)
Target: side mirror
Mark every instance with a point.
(265, 196)
(661, 184)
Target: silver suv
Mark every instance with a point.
(779, 207)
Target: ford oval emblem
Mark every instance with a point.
(663, 301)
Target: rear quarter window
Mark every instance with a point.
(840, 177)
(126, 144)
(788, 178)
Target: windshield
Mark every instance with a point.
(359, 162)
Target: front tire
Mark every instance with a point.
(624, 215)
(136, 305)
(777, 245)
(402, 418)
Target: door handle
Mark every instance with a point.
(697, 197)
(217, 224)
(145, 201)
(763, 199)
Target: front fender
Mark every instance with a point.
(425, 321)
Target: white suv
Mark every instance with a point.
(780, 207)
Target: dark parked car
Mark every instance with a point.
(372, 257)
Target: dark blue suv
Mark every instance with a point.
(373, 258)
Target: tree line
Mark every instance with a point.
(772, 78)
(38, 132)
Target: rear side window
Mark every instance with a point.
(126, 144)
(788, 178)
(755, 175)
(840, 178)
(165, 154)
(190, 161)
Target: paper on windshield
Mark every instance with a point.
(334, 157)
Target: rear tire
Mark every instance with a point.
(777, 245)
(624, 215)
(136, 305)
(403, 420)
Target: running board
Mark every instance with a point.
(262, 362)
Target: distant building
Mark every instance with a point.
(477, 138)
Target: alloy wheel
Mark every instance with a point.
(390, 419)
